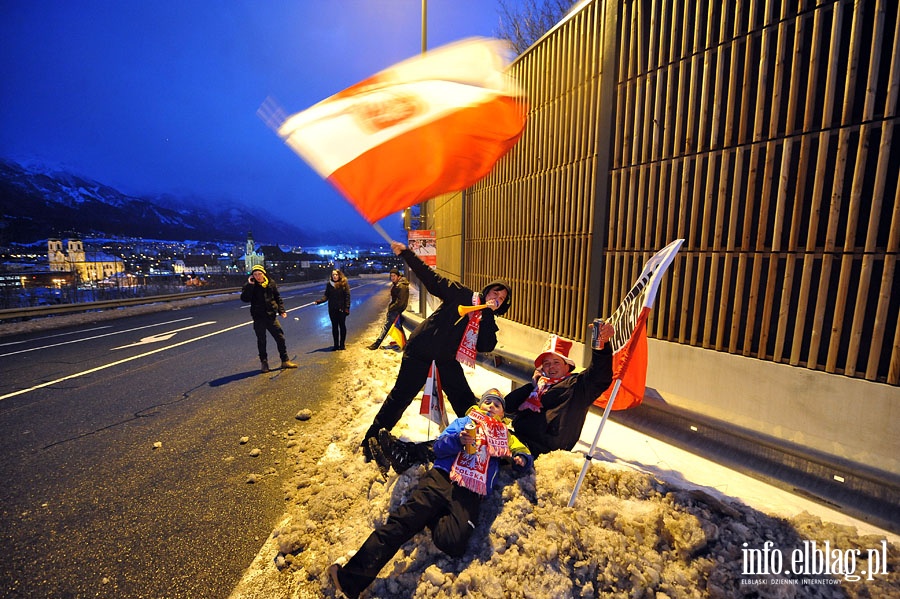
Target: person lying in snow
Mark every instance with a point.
(447, 499)
(547, 414)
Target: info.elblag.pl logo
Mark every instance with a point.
(812, 559)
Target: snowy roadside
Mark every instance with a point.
(684, 527)
(46, 323)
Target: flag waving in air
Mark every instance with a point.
(428, 125)
(432, 406)
(630, 342)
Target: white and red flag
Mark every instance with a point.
(630, 341)
(432, 406)
(629, 347)
(428, 125)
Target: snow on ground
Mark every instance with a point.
(678, 531)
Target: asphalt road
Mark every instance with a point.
(91, 509)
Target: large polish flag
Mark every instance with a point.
(630, 341)
(429, 125)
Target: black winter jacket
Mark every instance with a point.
(564, 406)
(438, 336)
(265, 302)
(399, 295)
(338, 299)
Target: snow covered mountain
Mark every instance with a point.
(39, 202)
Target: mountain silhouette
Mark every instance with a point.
(38, 202)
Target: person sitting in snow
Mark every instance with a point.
(547, 414)
(447, 499)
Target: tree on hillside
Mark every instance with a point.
(524, 24)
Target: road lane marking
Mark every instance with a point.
(22, 351)
(163, 336)
(118, 362)
(51, 336)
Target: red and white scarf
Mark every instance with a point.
(533, 402)
(492, 440)
(467, 353)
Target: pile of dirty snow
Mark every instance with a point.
(629, 534)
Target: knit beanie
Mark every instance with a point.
(494, 394)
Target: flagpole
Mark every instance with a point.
(590, 453)
(382, 232)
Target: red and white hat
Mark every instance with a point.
(558, 347)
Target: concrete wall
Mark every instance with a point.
(852, 419)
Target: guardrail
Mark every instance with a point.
(41, 311)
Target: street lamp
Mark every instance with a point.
(424, 26)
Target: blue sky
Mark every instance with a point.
(161, 97)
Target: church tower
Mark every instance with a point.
(76, 251)
(251, 258)
(56, 257)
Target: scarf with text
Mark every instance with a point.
(492, 440)
(533, 402)
(467, 353)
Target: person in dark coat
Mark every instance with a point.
(444, 338)
(399, 300)
(549, 412)
(337, 294)
(265, 306)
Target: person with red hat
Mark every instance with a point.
(549, 412)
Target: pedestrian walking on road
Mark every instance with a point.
(265, 307)
(337, 295)
(399, 300)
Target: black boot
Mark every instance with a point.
(403, 455)
(264, 365)
(381, 460)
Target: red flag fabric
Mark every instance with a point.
(397, 333)
(630, 341)
(429, 125)
(433, 399)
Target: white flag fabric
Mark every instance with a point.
(428, 125)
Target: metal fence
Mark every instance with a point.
(759, 131)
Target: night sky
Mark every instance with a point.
(161, 97)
